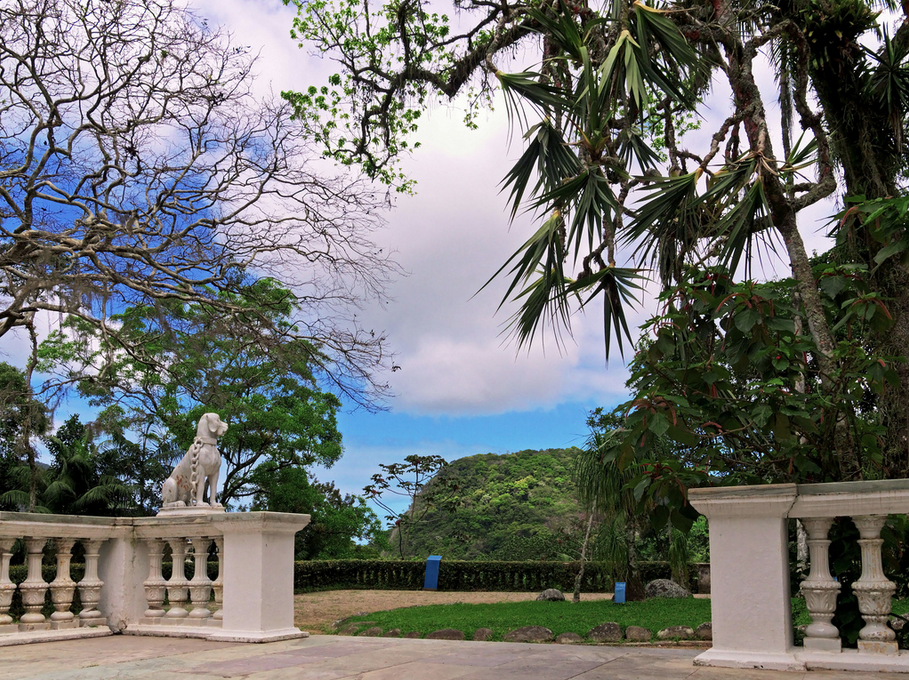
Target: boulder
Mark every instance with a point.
(704, 631)
(482, 634)
(897, 622)
(375, 631)
(676, 633)
(663, 587)
(529, 634)
(551, 595)
(569, 638)
(394, 632)
(637, 634)
(413, 635)
(446, 634)
(606, 632)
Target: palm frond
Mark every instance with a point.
(616, 285)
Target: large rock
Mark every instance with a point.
(482, 634)
(705, 631)
(676, 633)
(551, 595)
(606, 632)
(413, 635)
(529, 634)
(663, 587)
(446, 634)
(375, 631)
(569, 639)
(637, 634)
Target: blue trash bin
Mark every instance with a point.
(431, 582)
(619, 597)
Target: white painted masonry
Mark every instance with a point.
(752, 625)
(123, 573)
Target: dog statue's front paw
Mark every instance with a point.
(216, 505)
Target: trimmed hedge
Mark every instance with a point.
(455, 575)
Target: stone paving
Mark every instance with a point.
(325, 657)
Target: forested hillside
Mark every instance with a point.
(512, 506)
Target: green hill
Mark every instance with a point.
(513, 506)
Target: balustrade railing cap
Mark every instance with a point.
(744, 501)
(43, 525)
(839, 499)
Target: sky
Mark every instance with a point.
(463, 388)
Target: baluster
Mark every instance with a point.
(820, 588)
(200, 586)
(90, 585)
(177, 586)
(874, 590)
(34, 587)
(218, 584)
(63, 586)
(7, 587)
(155, 585)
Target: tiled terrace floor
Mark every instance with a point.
(323, 657)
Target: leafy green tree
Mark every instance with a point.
(606, 171)
(22, 417)
(83, 480)
(336, 520)
(411, 479)
(268, 395)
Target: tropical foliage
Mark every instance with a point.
(268, 396)
(336, 520)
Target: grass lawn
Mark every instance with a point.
(559, 617)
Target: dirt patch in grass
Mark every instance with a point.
(315, 612)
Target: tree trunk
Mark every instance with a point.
(576, 597)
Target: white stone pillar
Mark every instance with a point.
(7, 587)
(177, 586)
(63, 587)
(749, 573)
(200, 585)
(820, 588)
(90, 585)
(874, 590)
(34, 587)
(218, 584)
(155, 586)
(259, 576)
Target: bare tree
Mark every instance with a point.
(137, 166)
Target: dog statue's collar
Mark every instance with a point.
(207, 440)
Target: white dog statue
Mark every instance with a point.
(198, 469)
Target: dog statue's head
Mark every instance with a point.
(211, 425)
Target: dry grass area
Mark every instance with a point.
(315, 612)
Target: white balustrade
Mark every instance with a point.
(155, 586)
(217, 585)
(63, 587)
(200, 585)
(750, 595)
(7, 587)
(177, 585)
(123, 587)
(34, 586)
